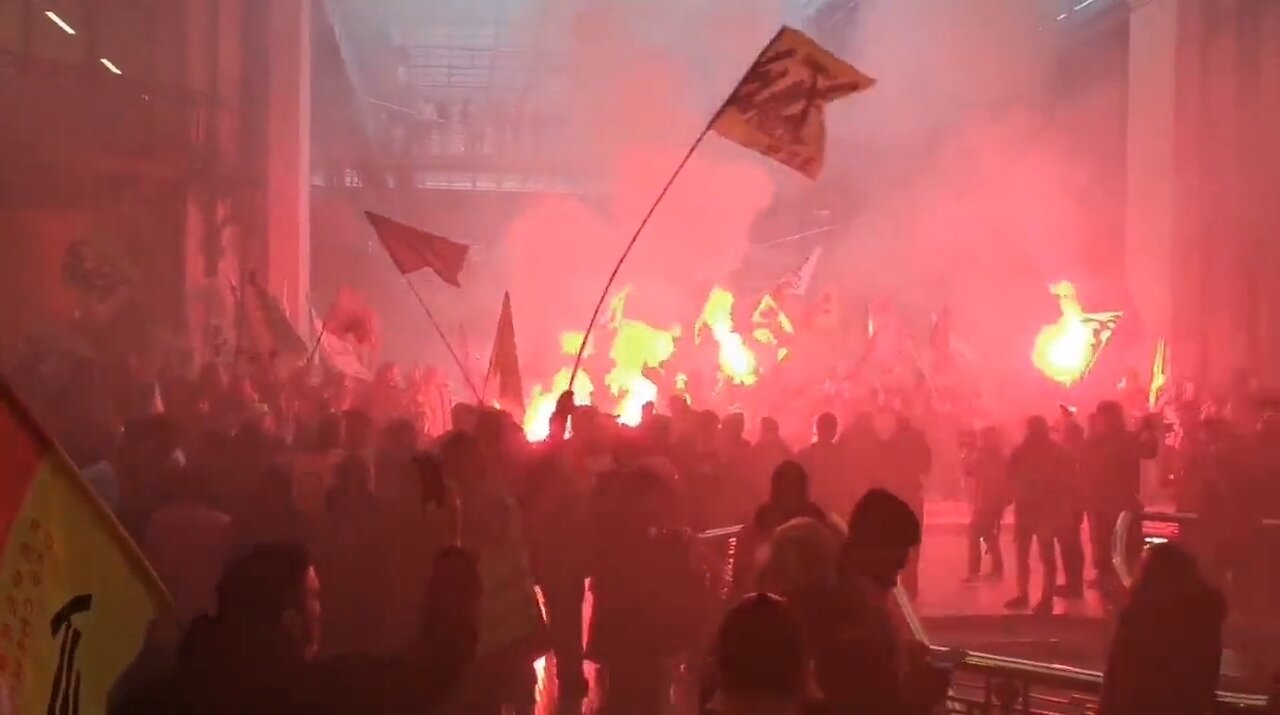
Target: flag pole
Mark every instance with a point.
(324, 328)
(493, 354)
(604, 295)
(440, 331)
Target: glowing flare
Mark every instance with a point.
(771, 321)
(1066, 349)
(738, 363)
(542, 402)
(637, 346)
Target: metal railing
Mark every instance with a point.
(984, 683)
(1167, 525)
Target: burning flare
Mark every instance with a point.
(637, 347)
(542, 402)
(738, 363)
(1066, 349)
(644, 359)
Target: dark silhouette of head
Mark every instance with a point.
(789, 487)
(463, 416)
(462, 459)
(826, 428)
(734, 425)
(273, 593)
(1038, 429)
(770, 429)
(760, 655)
(1110, 417)
(882, 532)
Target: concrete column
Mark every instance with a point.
(217, 197)
(288, 266)
(1197, 157)
(1150, 239)
(198, 77)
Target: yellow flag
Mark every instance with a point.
(76, 597)
(777, 108)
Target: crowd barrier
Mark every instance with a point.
(986, 684)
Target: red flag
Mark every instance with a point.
(412, 249)
(504, 365)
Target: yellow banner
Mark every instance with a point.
(777, 108)
(76, 599)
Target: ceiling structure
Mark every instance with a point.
(462, 94)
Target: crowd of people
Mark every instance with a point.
(326, 552)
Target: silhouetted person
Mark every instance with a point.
(1111, 463)
(556, 510)
(825, 463)
(1168, 645)
(864, 662)
(1039, 471)
(649, 597)
(766, 454)
(987, 467)
(788, 500)
(759, 661)
(353, 559)
(733, 453)
(900, 460)
(1070, 544)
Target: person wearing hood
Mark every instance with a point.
(788, 500)
(1040, 471)
(1167, 649)
(865, 660)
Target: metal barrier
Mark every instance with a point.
(986, 683)
(983, 683)
(1171, 526)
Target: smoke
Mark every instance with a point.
(643, 79)
(978, 173)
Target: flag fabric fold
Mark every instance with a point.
(413, 249)
(504, 364)
(270, 340)
(777, 109)
(76, 596)
(797, 282)
(339, 353)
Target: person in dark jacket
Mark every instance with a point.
(864, 662)
(1111, 463)
(1071, 436)
(788, 499)
(1168, 645)
(1040, 470)
(650, 597)
(766, 454)
(824, 461)
(900, 461)
(987, 467)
